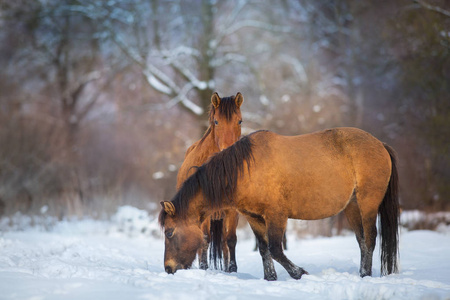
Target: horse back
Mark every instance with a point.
(313, 176)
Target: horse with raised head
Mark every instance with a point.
(224, 129)
(269, 178)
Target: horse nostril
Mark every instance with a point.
(169, 270)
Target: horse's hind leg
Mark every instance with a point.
(369, 222)
(366, 233)
(258, 226)
(275, 234)
(231, 225)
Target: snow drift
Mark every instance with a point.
(123, 259)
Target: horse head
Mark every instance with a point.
(182, 239)
(225, 119)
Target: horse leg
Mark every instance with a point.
(275, 235)
(258, 226)
(365, 231)
(369, 221)
(203, 251)
(284, 243)
(354, 219)
(231, 225)
(225, 251)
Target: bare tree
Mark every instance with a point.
(181, 55)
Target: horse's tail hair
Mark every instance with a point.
(215, 246)
(389, 214)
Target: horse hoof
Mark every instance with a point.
(298, 275)
(232, 268)
(362, 275)
(203, 266)
(271, 277)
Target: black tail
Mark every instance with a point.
(215, 247)
(389, 214)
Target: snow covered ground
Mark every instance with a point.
(123, 259)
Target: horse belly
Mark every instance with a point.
(322, 193)
(317, 207)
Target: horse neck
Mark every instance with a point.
(198, 209)
(208, 146)
(201, 151)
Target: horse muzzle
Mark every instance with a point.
(171, 269)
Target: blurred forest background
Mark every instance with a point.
(100, 99)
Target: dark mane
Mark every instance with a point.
(216, 179)
(226, 108)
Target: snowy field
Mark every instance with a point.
(123, 259)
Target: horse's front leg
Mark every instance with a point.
(258, 226)
(231, 224)
(203, 251)
(275, 234)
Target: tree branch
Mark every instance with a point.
(433, 8)
(250, 24)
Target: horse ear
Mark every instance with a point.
(239, 99)
(168, 207)
(215, 100)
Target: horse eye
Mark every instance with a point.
(216, 122)
(240, 122)
(169, 233)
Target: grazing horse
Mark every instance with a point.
(269, 178)
(224, 129)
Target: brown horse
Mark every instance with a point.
(270, 178)
(224, 130)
